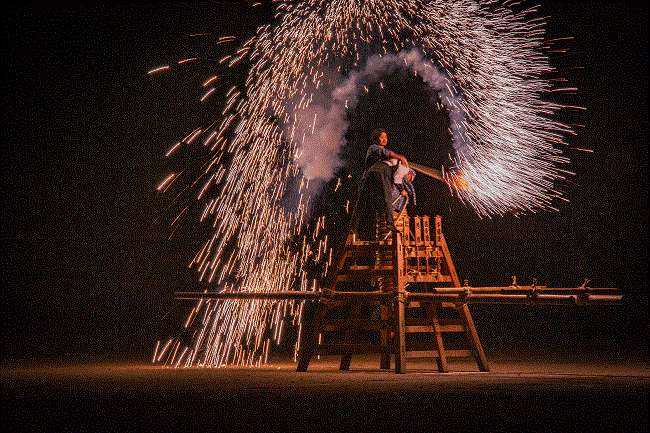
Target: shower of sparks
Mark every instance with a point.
(280, 134)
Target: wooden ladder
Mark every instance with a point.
(390, 264)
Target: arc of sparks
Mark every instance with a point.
(286, 130)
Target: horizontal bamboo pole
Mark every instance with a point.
(525, 290)
(459, 296)
(279, 295)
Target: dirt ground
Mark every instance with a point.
(516, 394)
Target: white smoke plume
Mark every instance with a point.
(320, 128)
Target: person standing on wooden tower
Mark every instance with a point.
(376, 186)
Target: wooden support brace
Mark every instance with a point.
(351, 332)
(472, 336)
(311, 337)
(441, 359)
(384, 336)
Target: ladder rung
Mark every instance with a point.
(366, 324)
(427, 321)
(429, 328)
(340, 348)
(416, 304)
(414, 243)
(427, 278)
(454, 353)
(375, 245)
(370, 268)
(423, 324)
(361, 276)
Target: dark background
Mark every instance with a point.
(88, 265)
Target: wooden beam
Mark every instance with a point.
(492, 296)
(279, 295)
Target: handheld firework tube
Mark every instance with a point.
(458, 181)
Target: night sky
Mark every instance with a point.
(88, 270)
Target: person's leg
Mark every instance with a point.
(386, 177)
(361, 206)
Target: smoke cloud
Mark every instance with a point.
(320, 128)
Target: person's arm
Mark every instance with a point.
(398, 156)
(378, 153)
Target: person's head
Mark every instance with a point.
(379, 137)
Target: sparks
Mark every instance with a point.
(161, 68)
(287, 128)
(165, 182)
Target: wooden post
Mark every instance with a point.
(351, 332)
(407, 230)
(399, 339)
(384, 335)
(426, 236)
(400, 284)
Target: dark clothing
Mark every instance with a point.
(375, 188)
(375, 193)
(375, 154)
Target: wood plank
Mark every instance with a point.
(417, 251)
(428, 278)
(375, 268)
(352, 348)
(450, 353)
(429, 328)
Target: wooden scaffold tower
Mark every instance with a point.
(415, 256)
(403, 290)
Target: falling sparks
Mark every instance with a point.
(161, 68)
(165, 182)
(280, 139)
